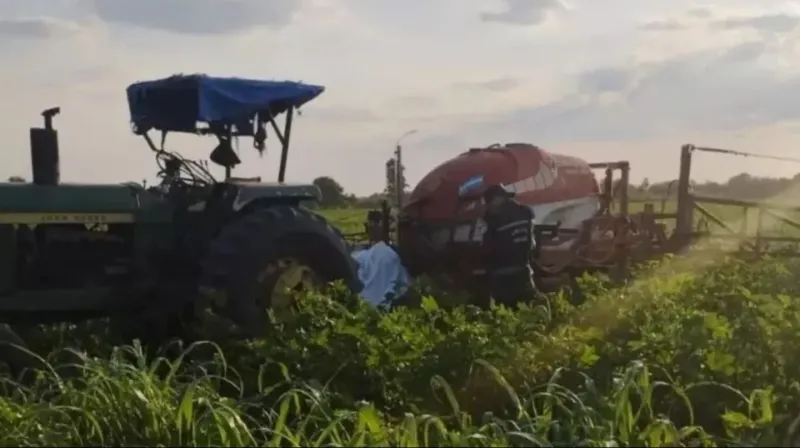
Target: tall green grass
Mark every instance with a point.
(688, 354)
(123, 401)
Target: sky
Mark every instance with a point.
(601, 80)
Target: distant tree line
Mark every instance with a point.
(333, 194)
(740, 186)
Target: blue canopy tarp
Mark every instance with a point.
(179, 102)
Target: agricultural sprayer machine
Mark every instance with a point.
(581, 225)
(156, 258)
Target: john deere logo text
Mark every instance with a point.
(65, 218)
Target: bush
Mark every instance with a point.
(685, 355)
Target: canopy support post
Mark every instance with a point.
(229, 138)
(284, 138)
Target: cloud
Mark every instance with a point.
(742, 53)
(770, 23)
(393, 65)
(503, 84)
(38, 28)
(604, 80)
(664, 25)
(766, 23)
(722, 89)
(412, 103)
(692, 18)
(525, 12)
(197, 16)
(700, 13)
(339, 115)
(57, 53)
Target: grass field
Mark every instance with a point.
(348, 220)
(692, 352)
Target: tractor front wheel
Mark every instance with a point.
(260, 261)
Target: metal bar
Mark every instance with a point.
(277, 130)
(386, 223)
(665, 198)
(611, 165)
(649, 200)
(783, 218)
(758, 230)
(608, 190)
(686, 204)
(625, 178)
(745, 214)
(722, 224)
(745, 154)
(622, 265)
(773, 239)
(150, 142)
(398, 176)
(742, 203)
(287, 132)
(718, 221)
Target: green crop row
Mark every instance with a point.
(690, 353)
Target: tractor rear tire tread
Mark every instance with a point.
(247, 246)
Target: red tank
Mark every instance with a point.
(453, 189)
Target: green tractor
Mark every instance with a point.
(158, 256)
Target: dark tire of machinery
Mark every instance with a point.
(244, 263)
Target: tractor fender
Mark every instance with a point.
(306, 222)
(250, 197)
(279, 193)
(287, 221)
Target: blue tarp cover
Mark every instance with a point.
(179, 102)
(382, 274)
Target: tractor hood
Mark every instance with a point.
(74, 198)
(76, 203)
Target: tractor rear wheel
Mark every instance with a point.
(259, 261)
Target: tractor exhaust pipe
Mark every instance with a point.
(44, 151)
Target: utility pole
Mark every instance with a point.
(399, 176)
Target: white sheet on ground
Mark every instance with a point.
(381, 272)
